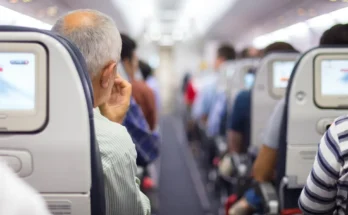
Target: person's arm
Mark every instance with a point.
(264, 166)
(117, 106)
(151, 112)
(320, 192)
(122, 187)
(147, 142)
(235, 126)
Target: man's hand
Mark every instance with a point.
(117, 106)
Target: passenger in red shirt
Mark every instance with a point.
(190, 93)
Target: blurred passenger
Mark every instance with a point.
(265, 163)
(206, 97)
(249, 52)
(190, 95)
(18, 198)
(142, 94)
(151, 81)
(146, 141)
(238, 125)
(99, 41)
(185, 81)
(238, 134)
(326, 189)
(190, 92)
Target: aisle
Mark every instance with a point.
(179, 195)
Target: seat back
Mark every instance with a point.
(226, 72)
(238, 79)
(60, 158)
(310, 108)
(270, 86)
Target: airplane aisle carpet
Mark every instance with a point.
(177, 193)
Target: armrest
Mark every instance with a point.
(269, 196)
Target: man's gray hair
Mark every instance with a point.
(99, 42)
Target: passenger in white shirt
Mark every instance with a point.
(18, 198)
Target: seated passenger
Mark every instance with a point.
(151, 81)
(217, 115)
(238, 133)
(18, 198)
(238, 126)
(99, 41)
(185, 81)
(142, 94)
(325, 191)
(205, 98)
(190, 93)
(265, 163)
(249, 52)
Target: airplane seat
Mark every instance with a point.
(234, 78)
(236, 174)
(269, 87)
(239, 79)
(55, 150)
(313, 102)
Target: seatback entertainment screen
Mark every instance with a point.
(17, 81)
(334, 77)
(281, 73)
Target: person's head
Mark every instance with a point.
(129, 56)
(98, 39)
(336, 35)
(249, 52)
(145, 69)
(224, 53)
(279, 47)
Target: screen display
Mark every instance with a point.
(249, 80)
(17, 81)
(334, 77)
(281, 73)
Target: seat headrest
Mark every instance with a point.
(313, 101)
(63, 106)
(74, 52)
(270, 86)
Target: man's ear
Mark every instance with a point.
(107, 74)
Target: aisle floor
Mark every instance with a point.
(178, 193)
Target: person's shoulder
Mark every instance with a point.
(337, 133)
(340, 129)
(342, 120)
(143, 87)
(244, 95)
(108, 132)
(115, 144)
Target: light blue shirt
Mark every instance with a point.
(205, 98)
(216, 114)
(272, 131)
